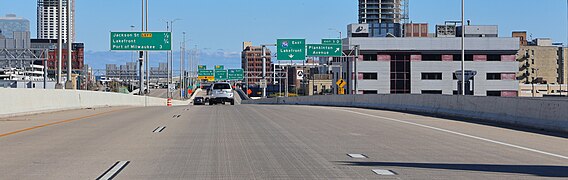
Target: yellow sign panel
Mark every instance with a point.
(147, 35)
(208, 78)
(341, 91)
(341, 83)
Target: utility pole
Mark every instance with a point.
(69, 47)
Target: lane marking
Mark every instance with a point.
(159, 129)
(60, 122)
(358, 156)
(462, 134)
(113, 170)
(384, 172)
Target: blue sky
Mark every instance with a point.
(219, 27)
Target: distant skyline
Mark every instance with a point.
(220, 27)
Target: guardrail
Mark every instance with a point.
(29, 101)
(544, 114)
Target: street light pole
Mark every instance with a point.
(463, 48)
(182, 68)
(59, 43)
(69, 46)
(264, 71)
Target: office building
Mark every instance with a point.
(47, 19)
(428, 66)
(11, 23)
(251, 62)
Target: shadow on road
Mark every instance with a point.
(537, 170)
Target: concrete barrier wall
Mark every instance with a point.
(28, 101)
(545, 114)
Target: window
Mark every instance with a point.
(494, 93)
(370, 76)
(493, 57)
(370, 92)
(431, 91)
(493, 76)
(221, 86)
(431, 76)
(431, 57)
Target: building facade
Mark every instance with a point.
(416, 30)
(11, 23)
(542, 63)
(251, 63)
(384, 17)
(77, 55)
(428, 66)
(47, 19)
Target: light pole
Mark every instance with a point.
(170, 28)
(69, 46)
(59, 43)
(182, 68)
(463, 47)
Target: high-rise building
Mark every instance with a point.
(383, 11)
(10, 24)
(47, 19)
(384, 17)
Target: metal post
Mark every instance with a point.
(463, 48)
(69, 46)
(182, 68)
(356, 76)
(45, 56)
(168, 65)
(141, 73)
(59, 43)
(147, 53)
(264, 71)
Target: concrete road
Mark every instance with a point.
(272, 142)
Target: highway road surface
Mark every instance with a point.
(269, 142)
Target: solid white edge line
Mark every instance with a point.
(110, 174)
(461, 134)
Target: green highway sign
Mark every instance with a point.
(331, 41)
(291, 49)
(140, 41)
(219, 67)
(220, 75)
(324, 50)
(202, 67)
(236, 74)
(206, 73)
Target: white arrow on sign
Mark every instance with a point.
(291, 56)
(336, 50)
